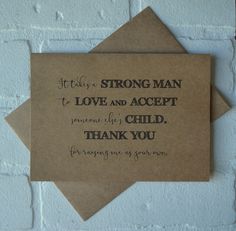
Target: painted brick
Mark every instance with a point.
(63, 217)
(69, 46)
(63, 14)
(12, 150)
(15, 201)
(223, 143)
(14, 71)
(222, 52)
(194, 12)
(214, 19)
(196, 204)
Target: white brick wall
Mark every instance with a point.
(16, 199)
(223, 53)
(14, 70)
(194, 12)
(63, 14)
(77, 26)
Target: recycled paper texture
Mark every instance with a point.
(120, 117)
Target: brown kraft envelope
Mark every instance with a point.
(144, 33)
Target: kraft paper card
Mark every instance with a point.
(120, 117)
(150, 35)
